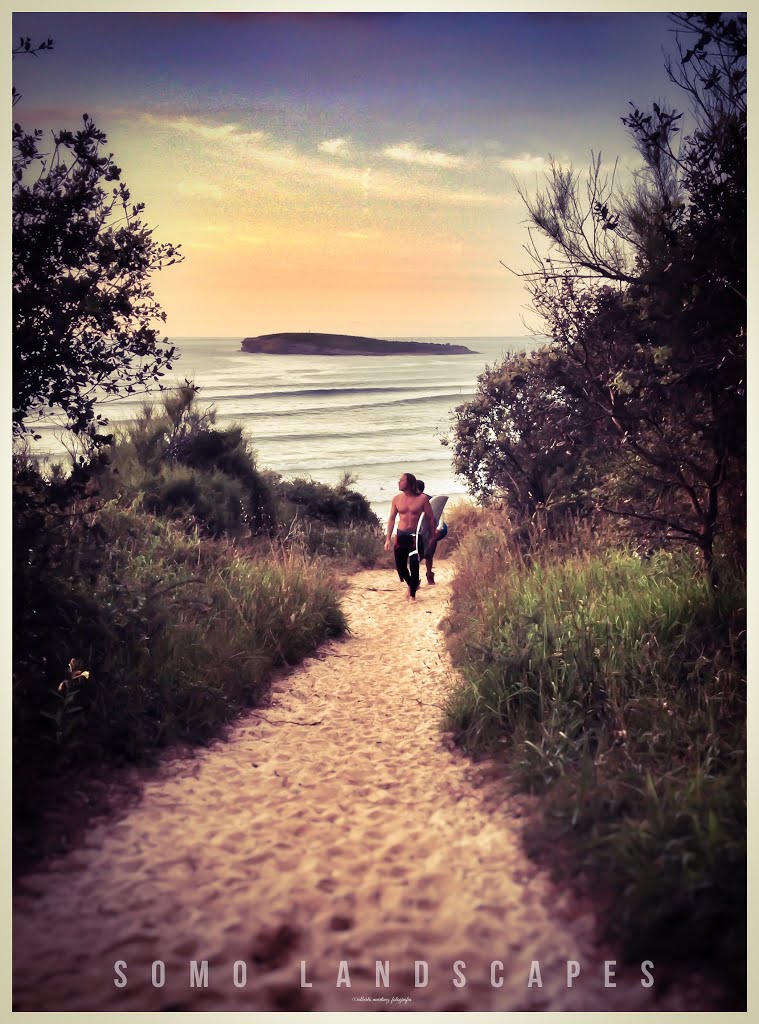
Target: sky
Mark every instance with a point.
(353, 173)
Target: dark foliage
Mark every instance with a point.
(528, 441)
(57, 555)
(338, 506)
(644, 295)
(83, 308)
(225, 453)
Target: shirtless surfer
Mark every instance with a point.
(408, 506)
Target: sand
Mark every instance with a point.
(334, 825)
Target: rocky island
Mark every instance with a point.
(311, 344)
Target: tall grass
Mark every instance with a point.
(462, 517)
(164, 639)
(614, 685)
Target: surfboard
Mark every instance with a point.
(437, 504)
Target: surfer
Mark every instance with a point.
(407, 507)
(428, 538)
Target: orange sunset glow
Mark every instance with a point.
(345, 173)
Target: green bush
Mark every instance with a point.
(184, 467)
(615, 685)
(337, 506)
(331, 521)
(214, 500)
(226, 452)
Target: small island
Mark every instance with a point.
(311, 344)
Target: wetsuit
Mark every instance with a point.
(407, 558)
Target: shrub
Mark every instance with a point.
(337, 506)
(227, 452)
(55, 547)
(184, 467)
(214, 500)
(333, 521)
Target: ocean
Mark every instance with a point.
(318, 416)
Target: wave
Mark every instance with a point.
(127, 411)
(368, 407)
(313, 466)
(218, 392)
(368, 432)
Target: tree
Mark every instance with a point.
(644, 291)
(526, 440)
(83, 308)
(664, 467)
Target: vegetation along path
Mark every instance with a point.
(333, 826)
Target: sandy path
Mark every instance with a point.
(334, 825)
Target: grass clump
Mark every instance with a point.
(164, 639)
(462, 518)
(614, 685)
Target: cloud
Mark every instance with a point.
(525, 163)
(474, 198)
(409, 153)
(366, 236)
(334, 147)
(240, 153)
(209, 132)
